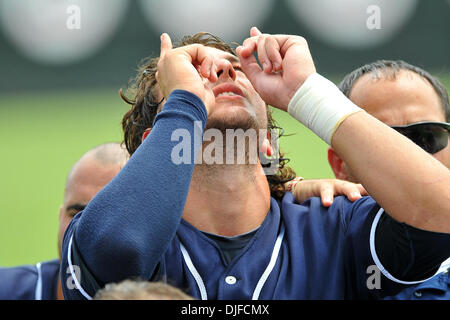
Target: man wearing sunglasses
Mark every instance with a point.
(416, 104)
(406, 98)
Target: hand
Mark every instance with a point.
(326, 189)
(286, 62)
(183, 68)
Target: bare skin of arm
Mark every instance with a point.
(409, 183)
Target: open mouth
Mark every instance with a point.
(227, 90)
(227, 93)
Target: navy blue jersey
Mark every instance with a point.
(133, 228)
(30, 282)
(436, 288)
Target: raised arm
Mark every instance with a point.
(127, 226)
(406, 181)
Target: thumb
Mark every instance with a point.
(166, 43)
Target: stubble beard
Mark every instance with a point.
(206, 173)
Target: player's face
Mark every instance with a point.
(237, 104)
(88, 178)
(405, 100)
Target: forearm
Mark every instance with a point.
(407, 182)
(133, 219)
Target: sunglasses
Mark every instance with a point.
(430, 136)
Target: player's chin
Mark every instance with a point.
(234, 118)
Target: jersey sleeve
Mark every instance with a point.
(384, 256)
(125, 229)
(18, 283)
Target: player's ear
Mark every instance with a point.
(337, 165)
(145, 134)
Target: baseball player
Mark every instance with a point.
(215, 229)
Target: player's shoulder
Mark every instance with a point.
(11, 272)
(341, 205)
(50, 264)
(18, 282)
(342, 211)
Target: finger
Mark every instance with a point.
(351, 191)
(213, 77)
(166, 43)
(254, 32)
(198, 55)
(211, 70)
(362, 190)
(273, 53)
(250, 67)
(206, 66)
(262, 55)
(327, 195)
(248, 47)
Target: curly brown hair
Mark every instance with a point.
(146, 102)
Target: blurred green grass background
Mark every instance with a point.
(43, 134)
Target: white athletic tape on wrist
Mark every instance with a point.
(321, 106)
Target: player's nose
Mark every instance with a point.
(225, 69)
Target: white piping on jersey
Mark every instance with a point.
(38, 290)
(444, 266)
(72, 272)
(270, 266)
(262, 280)
(194, 272)
(375, 257)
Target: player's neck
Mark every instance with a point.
(227, 199)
